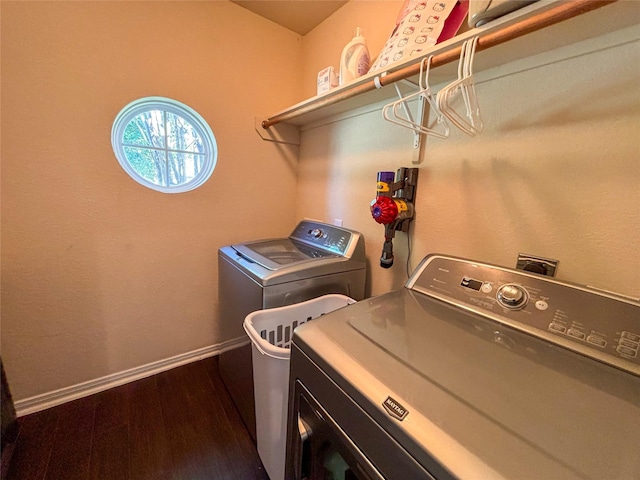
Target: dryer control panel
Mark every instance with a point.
(601, 325)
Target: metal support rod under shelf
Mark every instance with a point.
(556, 14)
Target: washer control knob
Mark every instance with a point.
(316, 232)
(512, 296)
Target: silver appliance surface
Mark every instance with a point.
(484, 11)
(313, 249)
(478, 371)
(314, 260)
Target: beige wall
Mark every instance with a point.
(555, 173)
(322, 47)
(100, 274)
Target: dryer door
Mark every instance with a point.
(322, 449)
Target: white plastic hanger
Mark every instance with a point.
(391, 111)
(464, 87)
(441, 121)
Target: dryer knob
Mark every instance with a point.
(316, 232)
(512, 296)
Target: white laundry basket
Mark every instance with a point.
(270, 332)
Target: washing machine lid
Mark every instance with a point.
(313, 249)
(277, 254)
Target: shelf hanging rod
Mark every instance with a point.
(556, 14)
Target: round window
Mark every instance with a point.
(164, 145)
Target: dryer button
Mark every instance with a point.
(542, 305)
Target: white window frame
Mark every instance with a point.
(141, 105)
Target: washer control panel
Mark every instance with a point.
(327, 237)
(603, 326)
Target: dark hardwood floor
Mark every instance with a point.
(180, 424)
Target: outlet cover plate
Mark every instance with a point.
(536, 264)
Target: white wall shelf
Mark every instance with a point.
(537, 28)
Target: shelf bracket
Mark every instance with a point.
(417, 136)
(281, 133)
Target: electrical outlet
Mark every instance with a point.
(337, 222)
(535, 264)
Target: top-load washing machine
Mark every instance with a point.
(315, 260)
(472, 371)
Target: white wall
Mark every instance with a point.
(555, 173)
(99, 274)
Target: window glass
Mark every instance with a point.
(164, 144)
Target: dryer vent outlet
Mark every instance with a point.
(539, 265)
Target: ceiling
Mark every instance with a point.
(300, 16)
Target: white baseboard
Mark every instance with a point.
(84, 389)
